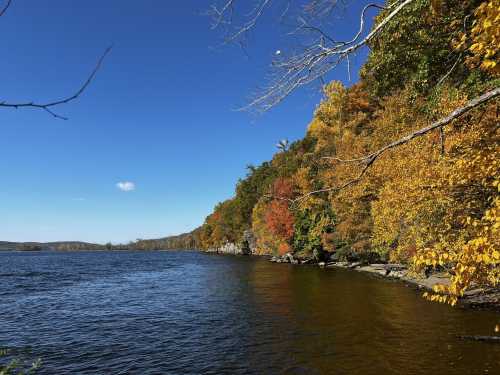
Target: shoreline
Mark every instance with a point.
(475, 299)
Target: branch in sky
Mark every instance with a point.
(49, 105)
(320, 55)
(4, 9)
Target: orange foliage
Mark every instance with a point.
(280, 220)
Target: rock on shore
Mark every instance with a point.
(246, 247)
(477, 298)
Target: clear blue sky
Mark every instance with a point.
(159, 114)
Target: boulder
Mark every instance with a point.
(288, 258)
(333, 257)
(397, 274)
(354, 265)
(249, 245)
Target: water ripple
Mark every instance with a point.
(190, 313)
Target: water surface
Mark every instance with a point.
(192, 313)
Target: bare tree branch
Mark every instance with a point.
(318, 59)
(224, 15)
(369, 159)
(4, 9)
(322, 53)
(48, 106)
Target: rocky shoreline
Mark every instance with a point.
(477, 298)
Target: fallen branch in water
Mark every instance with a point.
(495, 339)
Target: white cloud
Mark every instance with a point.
(125, 186)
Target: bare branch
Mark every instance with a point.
(369, 159)
(323, 8)
(220, 14)
(322, 54)
(4, 9)
(48, 106)
(253, 21)
(224, 15)
(318, 59)
(458, 58)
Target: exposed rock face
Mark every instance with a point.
(229, 248)
(246, 247)
(249, 242)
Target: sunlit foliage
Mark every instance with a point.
(432, 203)
(483, 40)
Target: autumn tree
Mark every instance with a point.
(404, 162)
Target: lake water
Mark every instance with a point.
(192, 313)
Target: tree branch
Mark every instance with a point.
(318, 59)
(4, 9)
(48, 106)
(369, 159)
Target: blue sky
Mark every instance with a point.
(160, 114)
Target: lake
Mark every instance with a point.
(192, 313)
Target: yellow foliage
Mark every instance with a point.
(483, 41)
(468, 241)
(433, 201)
(341, 127)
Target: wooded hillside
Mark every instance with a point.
(404, 163)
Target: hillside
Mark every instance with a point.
(401, 166)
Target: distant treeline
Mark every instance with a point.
(185, 241)
(181, 242)
(38, 246)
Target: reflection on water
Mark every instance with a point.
(191, 313)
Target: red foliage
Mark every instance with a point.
(280, 220)
(284, 248)
(282, 188)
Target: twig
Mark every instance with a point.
(48, 106)
(4, 9)
(317, 60)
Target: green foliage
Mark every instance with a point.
(414, 49)
(232, 217)
(251, 188)
(431, 202)
(314, 229)
(16, 366)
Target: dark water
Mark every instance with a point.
(190, 313)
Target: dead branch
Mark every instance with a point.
(48, 106)
(4, 9)
(322, 54)
(224, 15)
(319, 58)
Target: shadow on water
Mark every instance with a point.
(191, 313)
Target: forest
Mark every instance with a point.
(429, 201)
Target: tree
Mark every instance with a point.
(283, 145)
(321, 52)
(404, 162)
